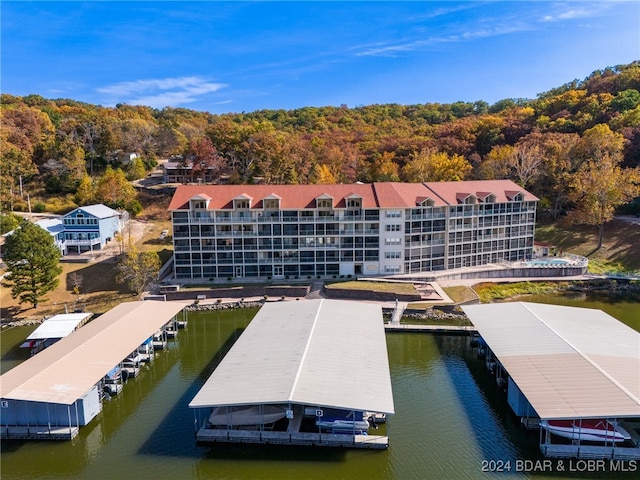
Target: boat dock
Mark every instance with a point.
(40, 400)
(570, 372)
(313, 398)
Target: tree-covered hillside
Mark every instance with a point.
(545, 144)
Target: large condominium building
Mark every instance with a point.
(303, 231)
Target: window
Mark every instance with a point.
(353, 203)
(393, 228)
(242, 204)
(392, 268)
(392, 255)
(392, 241)
(323, 203)
(393, 214)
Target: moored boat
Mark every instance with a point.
(246, 415)
(592, 430)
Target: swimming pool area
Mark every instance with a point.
(546, 262)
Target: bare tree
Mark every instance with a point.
(525, 163)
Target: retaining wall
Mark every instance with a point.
(240, 292)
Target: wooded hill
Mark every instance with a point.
(65, 146)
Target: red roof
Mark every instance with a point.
(375, 195)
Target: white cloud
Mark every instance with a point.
(415, 45)
(159, 93)
(571, 12)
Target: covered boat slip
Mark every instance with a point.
(53, 329)
(574, 371)
(305, 372)
(59, 389)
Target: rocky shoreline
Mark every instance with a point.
(436, 314)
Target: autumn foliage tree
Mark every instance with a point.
(114, 190)
(138, 269)
(432, 166)
(599, 187)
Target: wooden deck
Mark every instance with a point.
(38, 432)
(286, 438)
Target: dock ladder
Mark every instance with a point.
(398, 311)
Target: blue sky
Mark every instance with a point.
(244, 56)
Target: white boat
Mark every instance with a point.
(592, 430)
(246, 415)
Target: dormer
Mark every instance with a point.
(199, 202)
(353, 201)
(324, 202)
(486, 197)
(271, 202)
(514, 196)
(425, 202)
(242, 202)
(466, 198)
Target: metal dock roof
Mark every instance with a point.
(58, 326)
(327, 353)
(569, 362)
(69, 368)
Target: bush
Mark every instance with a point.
(39, 207)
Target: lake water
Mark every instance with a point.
(449, 418)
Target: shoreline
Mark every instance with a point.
(573, 285)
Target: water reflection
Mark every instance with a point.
(450, 416)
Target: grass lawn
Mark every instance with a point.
(391, 287)
(489, 292)
(460, 293)
(619, 246)
(99, 291)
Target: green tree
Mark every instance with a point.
(8, 222)
(138, 269)
(32, 262)
(136, 170)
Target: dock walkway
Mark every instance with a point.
(590, 451)
(286, 438)
(38, 432)
(443, 329)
